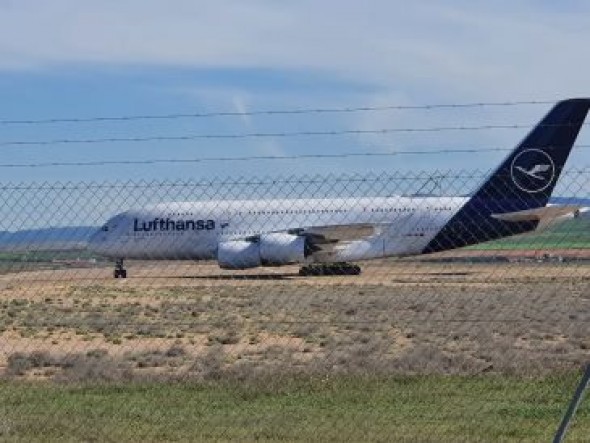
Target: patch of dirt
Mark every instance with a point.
(398, 316)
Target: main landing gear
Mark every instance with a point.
(325, 269)
(120, 271)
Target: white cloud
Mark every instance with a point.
(409, 52)
(468, 49)
(240, 106)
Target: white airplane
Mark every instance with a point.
(249, 233)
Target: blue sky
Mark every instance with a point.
(69, 58)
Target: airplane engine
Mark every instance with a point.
(281, 249)
(270, 249)
(238, 254)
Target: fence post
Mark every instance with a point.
(571, 410)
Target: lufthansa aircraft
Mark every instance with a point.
(249, 233)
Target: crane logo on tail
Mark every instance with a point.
(532, 170)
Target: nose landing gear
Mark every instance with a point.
(120, 271)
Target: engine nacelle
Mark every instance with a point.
(238, 254)
(271, 249)
(281, 249)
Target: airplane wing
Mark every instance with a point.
(338, 233)
(322, 241)
(325, 234)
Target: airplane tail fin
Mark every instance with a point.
(523, 181)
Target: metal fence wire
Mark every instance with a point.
(475, 341)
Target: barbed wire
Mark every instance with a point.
(264, 157)
(275, 134)
(250, 158)
(243, 181)
(265, 181)
(174, 116)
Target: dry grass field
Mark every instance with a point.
(180, 320)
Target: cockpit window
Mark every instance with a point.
(105, 228)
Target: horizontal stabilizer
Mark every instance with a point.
(539, 214)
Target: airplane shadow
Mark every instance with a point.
(449, 274)
(241, 277)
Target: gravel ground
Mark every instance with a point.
(519, 315)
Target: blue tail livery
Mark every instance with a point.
(523, 181)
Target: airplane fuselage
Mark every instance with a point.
(193, 230)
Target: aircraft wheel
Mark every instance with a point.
(120, 271)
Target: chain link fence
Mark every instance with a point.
(482, 343)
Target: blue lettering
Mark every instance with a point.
(168, 224)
